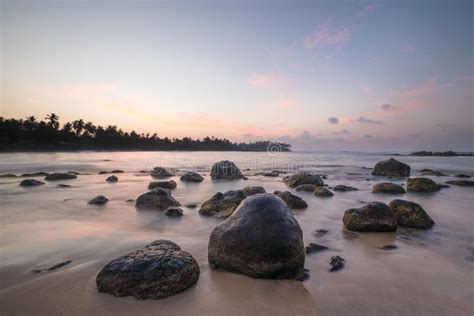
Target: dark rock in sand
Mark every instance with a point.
(112, 179)
(225, 170)
(222, 204)
(158, 198)
(392, 168)
(461, 175)
(462, 183)
(410, 214)
(31, 183)
(248, 191)
(303, 178)
(313, 247)
(373, 217)
(261, 239)
(192, 177)
(8, 175)
(293, 201)
(421, 185)
(170, 184)
(60, 176)
(388, 187)
(159, 172)
(160, 269)
(337, 263)
(388, 247)
(306, 188)
(174, 211)
(344, 188)
(99, 200)
(322, 192)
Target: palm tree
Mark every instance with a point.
(89, 128)
(53, 120)
(78, 126)
(30, 123)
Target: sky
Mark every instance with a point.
(320, 75)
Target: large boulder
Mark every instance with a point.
(225, 169)
(159, 172)
(303, 178)
(462, 183)
(157, 198)
(410, 214)
(291, 200)
(31, 183)
(391, 168)
(192, 177)
(222, 204)
(60, 176)
(170, 185)
(422, 185)
(373, 217)
(261, 239)
(158, 270)
(322, 192)
(388, 187)
(248, 191)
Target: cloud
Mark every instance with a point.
(266, 80)
(426, 88)
(77, 91)
(327, 35)
(364, 120)
(333, 120)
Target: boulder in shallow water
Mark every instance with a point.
(391, 168)
(410, 214)
(225, 169)
(261, 239)
(8, 175)
(174, 211)
(158, 198)
(462, 183)
(159, 172)
(373, 217)
(344, 188)
(160, 269)
(99, 200)
(462, 175)
(112, 179)
(60, 176)
(192, 177)
(31, 183)
(306, 187)
(248, 191)
(322, 192)
(422, 185)
(303, 178)
(388, 187)
(313, 247)
(170, 184)
(291, 200)
(222, 204)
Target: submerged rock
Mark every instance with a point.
(293, 201)
(159, 172)
(320, 232)
(160, 269)
(313, 247)
(192, 177)
(99, 200)
(462, 183)
(389, 247)
(322, 192)
(344, 188)
(8, 175)
(261, 239)
(429, 172)
(410, 214)
(60, 176)
(337, 263)
(373, 217)
(158, 198)
(421, 185)
(112, 179)
(170, 184)
(222, 204)
(225, 169)
(248, 191)
(272, 173)
(462, 175)
(391, 167)
(61, 185)
(174, 211)
(303, 178)
(191, 205)
(306, 188)
(388, 187)
(31, 183)
(35, 174)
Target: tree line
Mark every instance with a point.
(33, 134)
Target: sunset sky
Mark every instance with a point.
(322, 75)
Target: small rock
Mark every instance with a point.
(112, 179)
(159, 172)
(31, 183)
(388, 187)
(248, 191)
(272, 173)
(173, 211)
(61, 185)
(337, 263)
(293, 201)
(322, 192)
(344, 188)
(53, 267)
(35, 174)
(130, 200)
(170, 184)
(429, 172)
(462, 183)
(192, 177)
(303, 178)
(60, 176)
(421, 185)
(99, 200)
(306, 187)
(157, 198)
(320, 232)
(388, 247)
(8, 175)
(313, 247)
(117, 171)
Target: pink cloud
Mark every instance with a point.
(426, 88)
(268, 80)
(77, 91)
(327, 35)
(392, 110)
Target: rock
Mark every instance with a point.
(61, 185)
(306, 187)
(392, 168)
(272, 173)
(157, 198)
(31, 183)
(35, 174)
(443, 186)
(388, 187)
(191, 205)
(112, 179)
(225, 169)
(117, 171)
(291, 200)
(462, 183)
(344, 188)
(248, 191)
(8, 175)
(322, 192)
(448, 153)
(170, 184)
(74, 172)
(103, 172)
(60, 176)
(313, 247)
(388, 247)
(222, 204)
(53, 267)
(99, 200)
(261, 239)
(429, 172)
(303, 178)
(192, 177)
(174, 211)
(337, 263)
(410, 214)
(421, 185)
(461, 175)
(159, 172)
(373, 217)
(130, 200)
(320, 232)
(160, 269)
